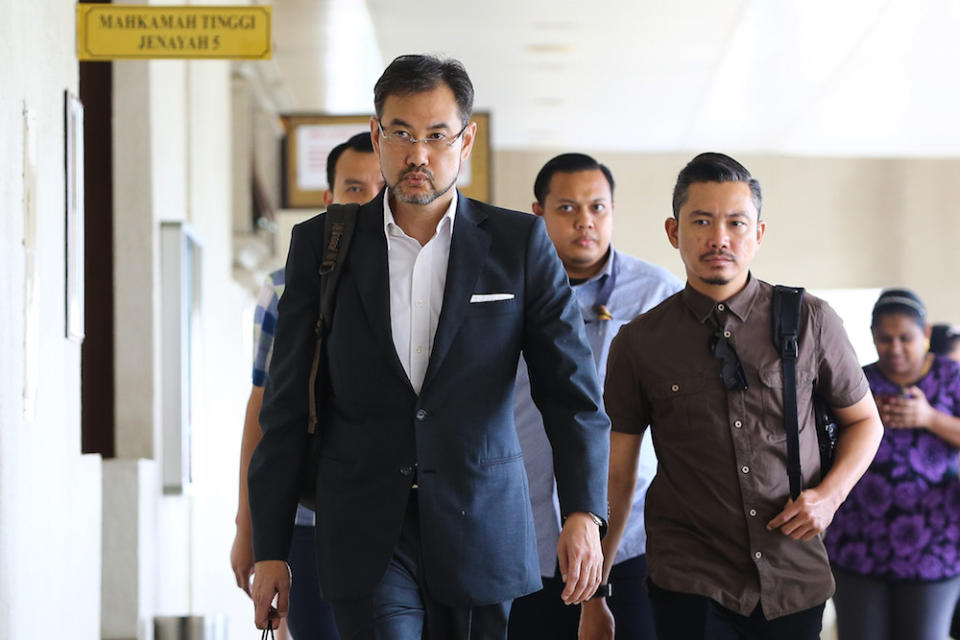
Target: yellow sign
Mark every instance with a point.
(113, 31)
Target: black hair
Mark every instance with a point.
(567, 163)
(899, 301)
(360, 142)
(713, 167)
(944, 339)
(411, 74)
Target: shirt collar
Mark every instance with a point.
(604, 272)
(738, 304)
(389, 224)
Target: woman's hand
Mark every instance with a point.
(910, 410)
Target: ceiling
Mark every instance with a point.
(811, 77)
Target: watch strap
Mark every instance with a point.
(603, 591)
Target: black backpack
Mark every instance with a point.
(338, 225)
(785, 314)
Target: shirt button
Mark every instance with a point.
(726, 334)
(745, 469)
(758, 555)
(738, 424)
(419, 303)
(753, 513)
(419, 349)
(675, 387)
(422, 414)
(720, 307)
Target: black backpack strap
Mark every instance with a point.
(337, 233)
(786, 331)
(338, 225)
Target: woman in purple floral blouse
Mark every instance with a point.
(895, 542)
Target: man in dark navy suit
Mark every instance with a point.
(423, 515)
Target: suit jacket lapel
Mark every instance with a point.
(368, 262)
(468, 251)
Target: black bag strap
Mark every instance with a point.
(338, 224)
(268, 631)
(786, 331)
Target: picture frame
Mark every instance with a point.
(74, 214)
(310, 138)
(181, 269)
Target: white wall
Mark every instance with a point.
(172, 144)
(49, 492)
(225, 368)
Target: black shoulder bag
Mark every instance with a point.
(338, 224)
(785, 315)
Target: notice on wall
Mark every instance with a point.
(31, 303)
(314, 144)
(116, 31)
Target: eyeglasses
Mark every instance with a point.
(402, 138)
(734, 379)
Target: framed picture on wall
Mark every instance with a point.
(181, 263)
(310, 138)
(73, 165)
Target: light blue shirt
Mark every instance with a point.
(639, 287)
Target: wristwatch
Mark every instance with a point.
(600, 522)
(603, 591)
(597, 520)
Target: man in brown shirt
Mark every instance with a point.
(728, 551)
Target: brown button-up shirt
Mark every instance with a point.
(722, 454)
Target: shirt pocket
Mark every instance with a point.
(678, 408)
(771, 382)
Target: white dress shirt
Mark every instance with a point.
(417, 278)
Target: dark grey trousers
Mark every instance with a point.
(874, 609)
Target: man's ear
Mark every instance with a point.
(761, 231)
(375, 134)
(538, 209)
(327, 197)
(469, 136)
(671, 226)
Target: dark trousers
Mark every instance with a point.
(310, 616)
(543, 616)
(955, 624)
(875, 609)
(402, 607)
(686, 616)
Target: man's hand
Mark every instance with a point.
(241, 558)
(581, 560)
(807, 517)
(270, 578)
(596, 621)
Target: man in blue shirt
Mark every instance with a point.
(575, 198)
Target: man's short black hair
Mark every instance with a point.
(411, 74)
(713, 167)
(944, 339)
(360, 142)
(567, 163)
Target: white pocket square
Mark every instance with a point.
(490, 297)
